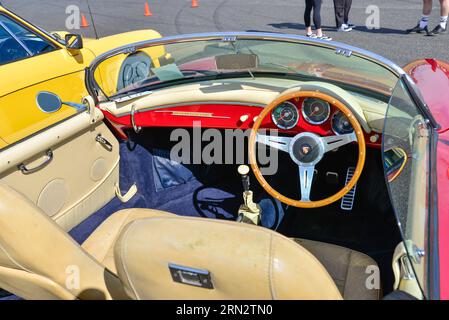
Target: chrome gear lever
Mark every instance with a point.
(249, 212)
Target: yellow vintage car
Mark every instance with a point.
(32, 60)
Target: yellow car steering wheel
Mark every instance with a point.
(306, 149)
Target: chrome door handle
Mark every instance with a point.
(105, 143)
(25, 170)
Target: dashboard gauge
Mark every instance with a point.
(341, 124)
(315, 111)
(285, 115)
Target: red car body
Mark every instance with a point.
(432, 78)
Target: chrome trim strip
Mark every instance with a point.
(175, 113)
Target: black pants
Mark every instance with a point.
(342, 8)
(316, 6)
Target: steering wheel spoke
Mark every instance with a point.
(277, 142)
(305, 180)
(337, 141)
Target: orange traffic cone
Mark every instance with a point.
(195, 4)
(148, 12)
(84, 23)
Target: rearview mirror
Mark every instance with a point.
(237, 61)
(48, 102)
(395, 160)
(73, 41)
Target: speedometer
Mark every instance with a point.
(285, 115)
(315, 111)
(341, 124)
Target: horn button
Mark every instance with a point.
(306, 149)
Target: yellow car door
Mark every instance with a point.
(33, 61)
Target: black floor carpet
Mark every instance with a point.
(370, 227)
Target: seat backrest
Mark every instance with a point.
(39, 260)
(241, 260)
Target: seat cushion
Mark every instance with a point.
(347, 267)
(100, 243)
(244, 261)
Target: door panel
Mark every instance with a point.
(46, 66)
(18, 111)
(79, 179)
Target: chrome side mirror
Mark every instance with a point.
(73, 41)
(49, 102)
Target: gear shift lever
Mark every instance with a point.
(243, 171)
(249, 212)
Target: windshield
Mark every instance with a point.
(406, 164)
(156, 66)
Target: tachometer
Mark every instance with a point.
(285, 115)
(315, 111)
(341, 124)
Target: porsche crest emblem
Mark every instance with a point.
(306, 149)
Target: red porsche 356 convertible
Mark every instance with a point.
(241, 166)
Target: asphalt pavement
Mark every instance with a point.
(171, 17)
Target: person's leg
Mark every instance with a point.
(307, 13)
(317, 17)
(427, 7)
(442, 26)
(424, 21)
(444, 13)
(317, 20)
(348, 4)
(339, 12)
(426, 11)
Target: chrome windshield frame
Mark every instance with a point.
(339, 47)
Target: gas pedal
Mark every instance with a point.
(347, 202)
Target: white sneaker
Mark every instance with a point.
(344, 28)
(351, 25)
(311, 35)
(324, 37)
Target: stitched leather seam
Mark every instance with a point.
(13, 260)
(347, 273)
(122, 261)
(121, 225)
(271, 275)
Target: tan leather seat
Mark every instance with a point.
(100, 243)
(244, 261)
(39, 260)
(348, 268)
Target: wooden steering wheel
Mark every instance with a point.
(306, 149)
